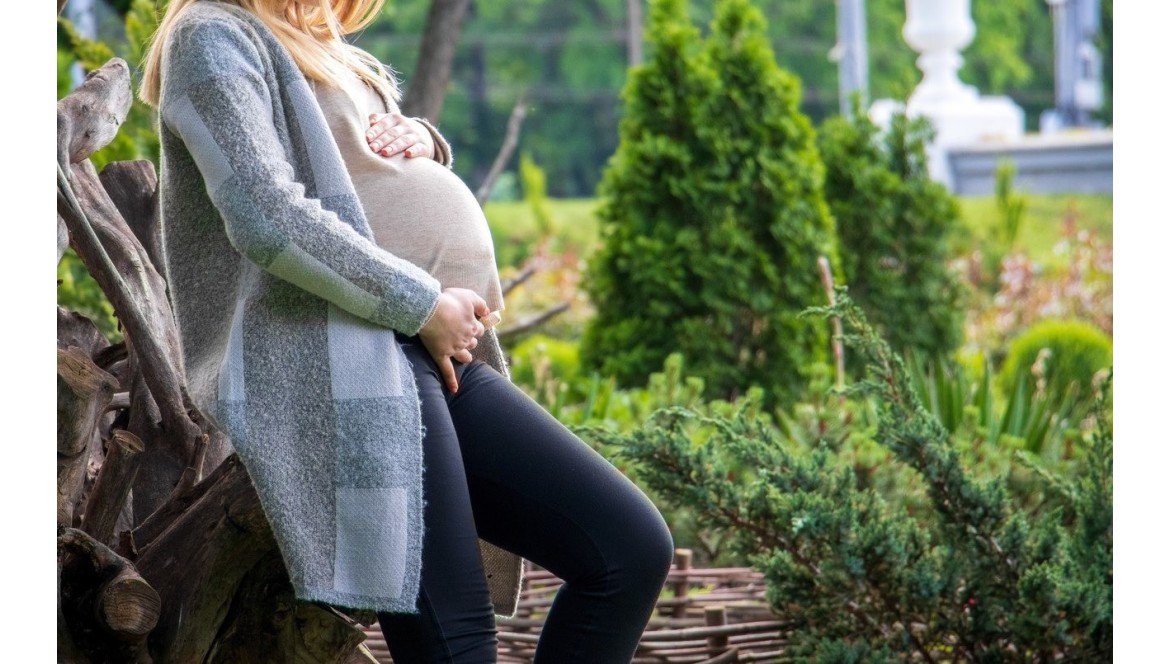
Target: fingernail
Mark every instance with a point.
(370, 134)
(376, 146)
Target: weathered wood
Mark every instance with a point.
(716, 616)
(682, 562)
(108, 497)
(83, 390)
(89, 117)
(186, 493)
(133, 187)
(286, 630)
(110, 250)
(128, 605)
(107, 608)
(62, 238)
(73, 329)
(200, 561)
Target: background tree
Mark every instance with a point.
(571, 60)
(893, 224)
(712, 215)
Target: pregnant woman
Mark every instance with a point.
(329, 274)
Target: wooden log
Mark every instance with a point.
(716, 616)
(127, 604)
(187, 492)
(83, 390)
(201, 560)
(62, 238)
(107, 608)
(74, 329)
(285, 630)
(89, 117)
(726, 658)
(110, 250)
(119, 264)
(108, 497)
(682, 563)
(133, 188)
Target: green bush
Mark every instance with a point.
(971, 573)
(1054, 355)
(712, 215)
(893, 228)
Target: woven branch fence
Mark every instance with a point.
(703, 616)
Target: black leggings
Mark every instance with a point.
(500, 468)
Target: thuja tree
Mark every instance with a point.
(893, 224)
(712, 215)
(970, 576)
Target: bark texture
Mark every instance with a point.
(428, 86)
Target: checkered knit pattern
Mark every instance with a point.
(287, 312)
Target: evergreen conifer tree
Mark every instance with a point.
(893, 223)
(712, 214)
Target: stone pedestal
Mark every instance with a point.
(939, 30)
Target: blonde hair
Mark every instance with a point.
(312, 35)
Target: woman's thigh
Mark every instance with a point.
(539, 491)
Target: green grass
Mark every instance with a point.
(515, 230)
(1043, 222)
(574, 225)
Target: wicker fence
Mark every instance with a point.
(704, 616)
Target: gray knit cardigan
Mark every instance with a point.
(287, 310)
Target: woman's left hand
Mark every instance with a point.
(392, 133)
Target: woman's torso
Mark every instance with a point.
(417, 208)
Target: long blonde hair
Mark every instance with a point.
(311, 34)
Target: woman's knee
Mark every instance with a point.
(647, 550)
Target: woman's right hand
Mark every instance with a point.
(454, 330)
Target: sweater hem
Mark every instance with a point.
(348, 601)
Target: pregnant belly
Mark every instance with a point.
(421, 211)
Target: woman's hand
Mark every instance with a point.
(454, 330)
(392, 133)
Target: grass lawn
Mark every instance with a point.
(574, 225)
(1043, 222)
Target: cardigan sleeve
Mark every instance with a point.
(216, 99)
(442, 147)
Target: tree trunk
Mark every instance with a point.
(428, 86)
(195, 571)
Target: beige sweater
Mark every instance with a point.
(418, 208)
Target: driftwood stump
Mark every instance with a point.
(163, 551)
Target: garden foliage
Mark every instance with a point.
(712, 215)
(968, 574)
(1056, 356)
(893, 224)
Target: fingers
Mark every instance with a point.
(394, 133)
(463, 357)
(447, 370)
(481, 307)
